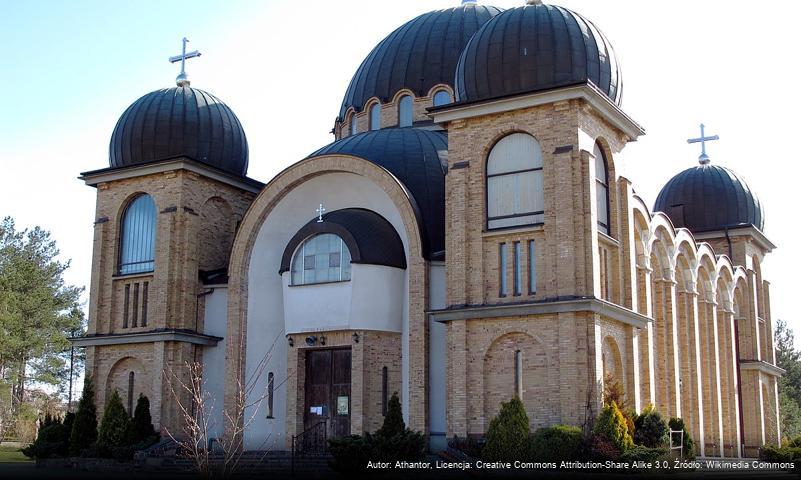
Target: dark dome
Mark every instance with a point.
(416, 158)
(418, 55)
(709, 197)
(536, 47)
(370, 238)
(180, 121)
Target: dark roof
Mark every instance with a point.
(180, 122)
(418, 55)
(533, 48)
(370, 238)
(417, 158)
(709, 197)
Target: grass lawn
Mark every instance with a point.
(11, 453)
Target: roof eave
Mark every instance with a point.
(585, 91)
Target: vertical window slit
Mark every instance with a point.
(502, 269)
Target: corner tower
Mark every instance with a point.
(167, 209)
(534, 219)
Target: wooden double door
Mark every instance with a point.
(327, 391)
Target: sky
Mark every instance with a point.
(69, 69)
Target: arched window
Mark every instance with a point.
(320, 259)
(138, 236)
(514, 182)
(375, 116)
(405, 111)
(601, 188)
(442, 98)
(352, 122)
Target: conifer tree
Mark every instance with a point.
(115, 426)
(393, 421)
(84, 427)
(142, 424)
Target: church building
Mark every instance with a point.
(470, 235)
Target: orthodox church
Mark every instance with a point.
(470, 235)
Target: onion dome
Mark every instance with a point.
(417, 158)
(533, 48)
(421, 53)
(180, 122)
(709, 198)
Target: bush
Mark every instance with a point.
(556, 443)
(602, 449)
(641, 453)
(84, 428)
(391, 443)
(114, 429)
(142, 423)
(650, 429)
(770, 453)
(468, 445)
(688, 446)
(611, 424)
(52, 441)
(794, 443)
(508, 433)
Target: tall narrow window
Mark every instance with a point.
(138, 236)
(130, 393)
(384, 390)
(442, 98)
(502, 270)
(353, 129)
(270, 380)
(514, 182)
(532, 268)
(405, 111)
(519, 374)
(375, 116)
(518, 274)
(320, 259)
(601, 188)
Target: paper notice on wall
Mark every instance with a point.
(342, 405)
(316, 410)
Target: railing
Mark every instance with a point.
(312, 441)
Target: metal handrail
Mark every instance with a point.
(312, 441)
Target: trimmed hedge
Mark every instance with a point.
(556, 443)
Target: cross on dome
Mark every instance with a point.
(320, 211)
(703, 158)
(182, 80)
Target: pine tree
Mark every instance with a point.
(142, 424)
(115, 426)
(393, 421)
(788, 358)
(84, 428)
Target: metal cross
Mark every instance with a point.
(320, 210)
(182, 80)
(703, 158)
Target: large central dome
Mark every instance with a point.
(534, 48)
(421, 53)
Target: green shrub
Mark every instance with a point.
(508, 433)
(393, 420)
(142, 423)
(52, 441)
(611, 424)
(688, 445)
(650, 429)
(114, 428)
(556, 443)
(794, 443)
(392, 442)
(84, 428)
(642, 453)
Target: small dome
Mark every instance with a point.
(709, 198)
(417, 158)
(536, 47)
(180, 122)
(418, 55)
